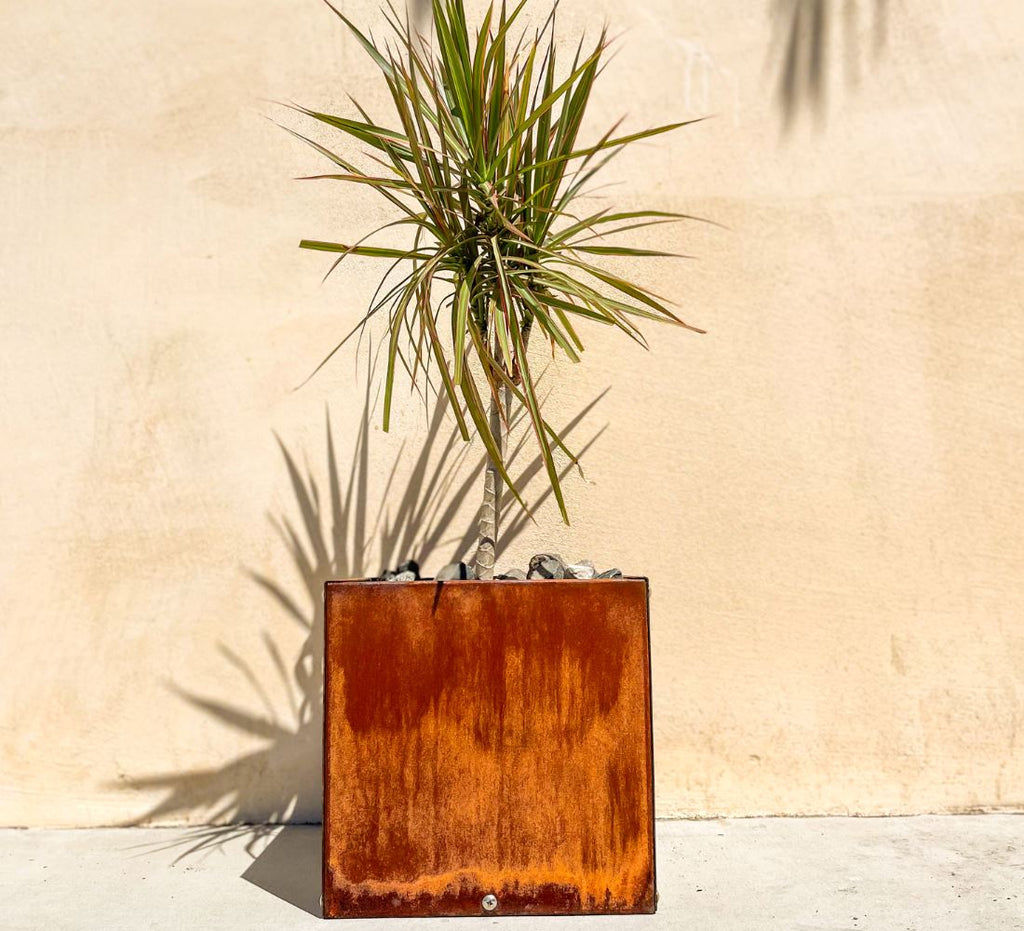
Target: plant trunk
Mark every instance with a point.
(494, 486)
(490, 507)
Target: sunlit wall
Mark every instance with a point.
(825, 490)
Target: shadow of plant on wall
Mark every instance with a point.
(804, 33)
(334, 537)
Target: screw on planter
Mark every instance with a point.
(489, 903)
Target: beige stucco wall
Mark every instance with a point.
(826, 490)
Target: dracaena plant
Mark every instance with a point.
(483, 167)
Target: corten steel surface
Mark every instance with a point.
(487, 738)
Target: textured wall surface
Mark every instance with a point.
(826, 490)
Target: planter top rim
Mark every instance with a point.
(502, 582)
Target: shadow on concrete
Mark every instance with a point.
(290, 866)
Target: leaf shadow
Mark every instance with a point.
(330, 534)
(802, 48)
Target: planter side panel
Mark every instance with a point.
(487, 739)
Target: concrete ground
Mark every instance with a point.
(890, 874)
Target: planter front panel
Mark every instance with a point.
(487, 738)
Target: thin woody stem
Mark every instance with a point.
(490, 507)
(494, 487)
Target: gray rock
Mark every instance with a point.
(386, 576)
(454, 571)
(512, 575)
(404, 577)
(410, 566)
(584, 569)
(611, 574)
(546, 566)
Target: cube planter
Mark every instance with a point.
(487, 748)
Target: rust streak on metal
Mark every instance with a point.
(487, 738)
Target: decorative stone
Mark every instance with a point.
(387, 576)
(546, 566)
(406, 576)
(512, 575)
(611, 574)
(581, 570)
(454, 571)
(410, 566)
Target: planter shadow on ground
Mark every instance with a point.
(334, 537)
(290, 865)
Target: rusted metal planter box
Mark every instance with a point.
(487, 748)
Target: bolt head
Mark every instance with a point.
(489, 903)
